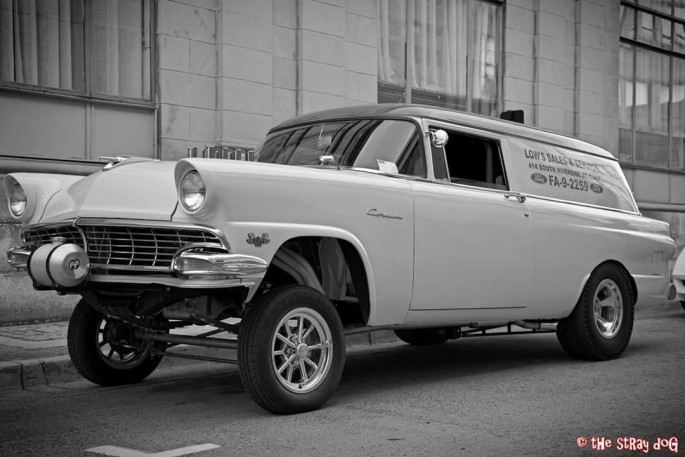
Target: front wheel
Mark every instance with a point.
(291, 350)
(601, 324)
(104, 349)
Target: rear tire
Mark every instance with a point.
(104, 349)
(600, 326)
(682, 303)
(422, 336)
(291, 350)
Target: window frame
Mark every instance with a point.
(432, 124)
(408, 88)
(635, 46)
(87, 94)
(416, 139)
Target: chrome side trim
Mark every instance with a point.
(587, 205)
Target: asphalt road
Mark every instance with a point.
(513, 396)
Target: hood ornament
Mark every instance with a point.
(112, 162)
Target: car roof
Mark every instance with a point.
(384, 110)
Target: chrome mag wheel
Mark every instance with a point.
(291, 349)
(601, 323)
(608, 308)
(301, 350)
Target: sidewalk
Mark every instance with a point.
(36, 354)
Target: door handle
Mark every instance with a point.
(517, 196)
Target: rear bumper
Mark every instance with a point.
(679, 284)
(679, 277)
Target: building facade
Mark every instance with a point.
(82, 79)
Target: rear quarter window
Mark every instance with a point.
(565, 174)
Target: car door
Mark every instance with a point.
(473, 250)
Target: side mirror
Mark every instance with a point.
(326, 160)
(439, 138)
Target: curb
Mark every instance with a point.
(23, 374)
(31, 373)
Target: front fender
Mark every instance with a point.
(274, 235)
(38, 188)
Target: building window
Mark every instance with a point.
(652, 84)
(90, 48)
(440, 52)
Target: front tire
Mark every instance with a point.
(291, 350)
(600, 326)
(104, 349)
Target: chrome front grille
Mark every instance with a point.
(141, 246)
(44, 235)
(134, 248)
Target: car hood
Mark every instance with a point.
(140, 190)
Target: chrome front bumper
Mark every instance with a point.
(199, 262)
(192, 268)
(18, 257)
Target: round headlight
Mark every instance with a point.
(17, 200)
(192, 191)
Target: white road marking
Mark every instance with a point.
(123, 452)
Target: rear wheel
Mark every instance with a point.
(291, 350)
(105, 350)
(601, 324)
(682, 303)
(422, 336)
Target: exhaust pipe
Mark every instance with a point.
(534, 325)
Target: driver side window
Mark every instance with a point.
(474, 161)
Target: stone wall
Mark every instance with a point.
(231, 70)
(561, 66)
(186, 76)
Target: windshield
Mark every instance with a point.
(390, 146)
